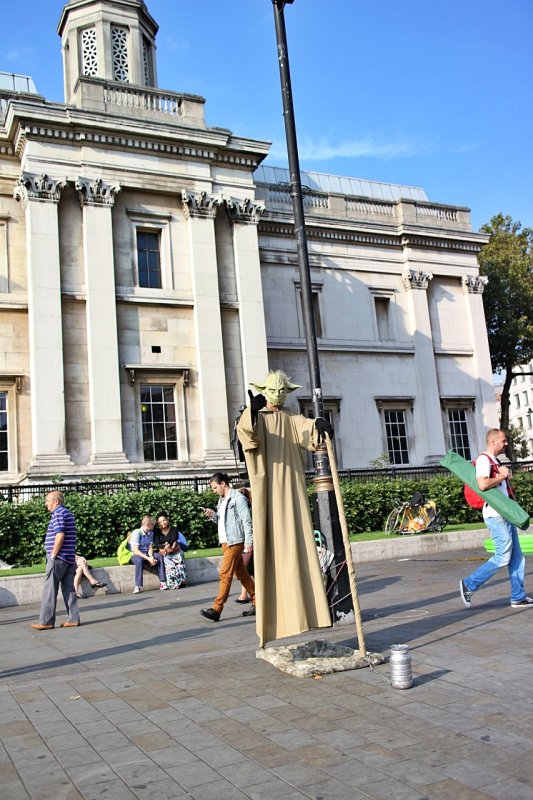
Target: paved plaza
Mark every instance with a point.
(149, 700)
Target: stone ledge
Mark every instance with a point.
(22, 589)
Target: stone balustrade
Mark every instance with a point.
(395, 212)
(144, 102)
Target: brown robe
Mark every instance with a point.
(290, 595)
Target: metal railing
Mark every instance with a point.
(19, 493)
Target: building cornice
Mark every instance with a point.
(337, 231)
(56, 122)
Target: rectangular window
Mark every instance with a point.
(158, 415)
(119, 46)
(524, 396)
(149, 259)
(332, 414)
(396, 433)
(383, 319)
(4, 448)
(517, 400)
(315, 304)
(457, 420)
(89, 53)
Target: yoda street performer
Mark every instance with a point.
(290, 595)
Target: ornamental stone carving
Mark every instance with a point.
(246, 210)
(96, 192)
(416, 279)
(37, 187)
(474, 284)
(200, 204)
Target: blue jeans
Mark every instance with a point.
(142, 563)
(507, 553)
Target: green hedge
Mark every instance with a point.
(367, 505)
(103, 520)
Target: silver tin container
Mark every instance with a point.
(400, 662)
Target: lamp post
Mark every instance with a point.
(338, 588)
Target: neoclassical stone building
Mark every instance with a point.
(148, 273)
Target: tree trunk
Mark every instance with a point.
(504, 405)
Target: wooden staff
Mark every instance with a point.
(347, 548)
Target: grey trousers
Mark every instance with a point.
(59, 573)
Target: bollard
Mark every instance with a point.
(400, 661)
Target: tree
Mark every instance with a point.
(507, 261)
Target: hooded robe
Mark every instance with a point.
(290, 595)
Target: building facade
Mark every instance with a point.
(148, 273)
(521, 403)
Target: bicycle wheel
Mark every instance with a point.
(392, 524)
(439, 523)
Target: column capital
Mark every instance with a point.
(200, 204)
(416, 279)
(96, 192)
(474, 284)
(244, 210)
(37, 187)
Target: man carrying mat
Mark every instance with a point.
(507, 550)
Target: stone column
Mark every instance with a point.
(473, 287)
(245, 216)
(97, 199)
(426, 412)
(40, 196)
(200, 211)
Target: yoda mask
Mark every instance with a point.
(276, 387)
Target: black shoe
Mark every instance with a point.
(98, 585)
(250, 612)
(210, 613)
(242, 602)
(466, 594)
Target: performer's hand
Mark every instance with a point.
(323, 427)
(257, 401)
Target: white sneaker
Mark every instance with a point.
(527, 601)
(136, 589)
(162, 587)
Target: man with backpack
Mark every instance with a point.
(490, 474)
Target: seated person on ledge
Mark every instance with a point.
(142, 547)
(83, 569)
(171, 544)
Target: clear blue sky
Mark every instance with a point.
(432, 94)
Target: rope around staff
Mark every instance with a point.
(347, 547)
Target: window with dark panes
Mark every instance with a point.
(4, 461)
(158, 415)
(396, 432)
(149, 259)
(457, 421)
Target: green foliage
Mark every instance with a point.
(103, 520)
(507, 261)
(517, 442)
(381, 462)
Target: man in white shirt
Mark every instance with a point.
(490, 474)
(234, 523)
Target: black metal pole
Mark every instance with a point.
(338, 589)
(298, 208)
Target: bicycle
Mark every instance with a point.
(415, 516)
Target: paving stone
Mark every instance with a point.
(192, 708)
(14, 790)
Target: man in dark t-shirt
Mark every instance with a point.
(60, 546)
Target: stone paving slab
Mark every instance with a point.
(148, 699)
